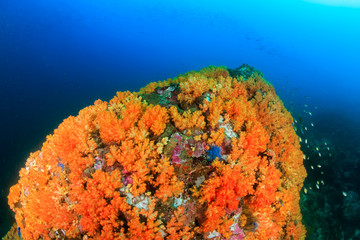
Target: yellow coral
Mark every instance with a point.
(187, 120)
(193, 88)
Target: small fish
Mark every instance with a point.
(319, 166)
(325, 143)
(328, 148)
(310, 188)
(312, 167)
(61, 165)
(305, 190)
(317, 149)
(322, 182)
(344, 193)
(304, 156)
(300, 139)
(317, 182)
(317, 186)
(310, 113)
(306, 105)
(305, 128)
(312, 124)
(322, 173)
(319, 154)
(19, 232)
(281, 202)
(305, 141)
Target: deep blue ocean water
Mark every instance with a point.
(56, 57)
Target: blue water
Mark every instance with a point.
(57, 57)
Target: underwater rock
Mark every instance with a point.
(245, 71)
(351, 207)
(206, 155)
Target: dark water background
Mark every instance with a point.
(57, 57)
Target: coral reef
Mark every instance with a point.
(13, 234)
(206, 155)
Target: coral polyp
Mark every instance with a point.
(206, 155)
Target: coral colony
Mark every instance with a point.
(206, 155)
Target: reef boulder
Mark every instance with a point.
(206, 155)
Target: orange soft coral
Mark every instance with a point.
(194, 86)
(187, 120)
(209, 154)
(223, 191)
(154, 118)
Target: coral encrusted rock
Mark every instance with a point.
(206, 155)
